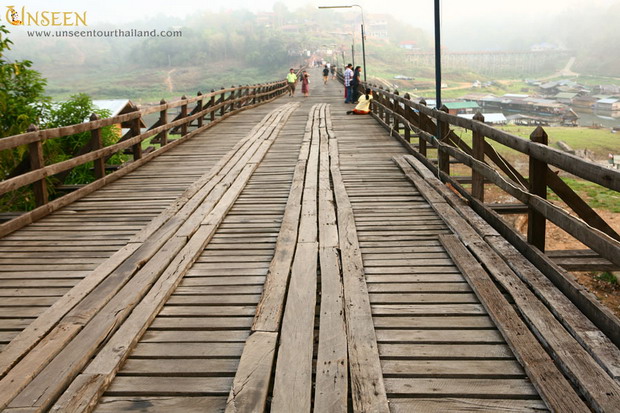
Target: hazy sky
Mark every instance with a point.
(416, 12)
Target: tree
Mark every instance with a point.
(73, 111)
(22, 98)
(22, 101)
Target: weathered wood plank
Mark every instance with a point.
(109, 359)
(465, 405)
(97, 330)
(368, 391)
(551, 384)
(331, 387)
(251, 384)
(293, 387)
(577, 364)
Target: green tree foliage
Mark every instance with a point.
(73, 111)
(22, 92)
(22, 102)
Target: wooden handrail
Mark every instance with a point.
(206, 111)
(42, 135)
(589, 171)
(604, 244)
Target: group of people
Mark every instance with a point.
(327, 70)
(291, 80)
(352, 82)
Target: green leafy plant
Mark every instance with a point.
(73, 111)
(607, 277)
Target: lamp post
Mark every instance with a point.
(353, 49)
(363, 35)
(437, 56)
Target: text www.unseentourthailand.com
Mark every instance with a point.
(105, 33)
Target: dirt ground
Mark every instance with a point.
(557, 239)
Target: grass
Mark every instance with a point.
(607, 277)
(599, 141)
(595, 195)
(597, 80)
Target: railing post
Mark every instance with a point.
(406, 128)
(477, 180)
(35, 152)
(382, 100)
(246, 94)
(232, 97)
(396, 109)
(199, 109)
(254, 94)
(442, 157)
(136, 149)
(421, 140)
(212, 113)
(223, 100)
(97, 143)
(388, 105)
(536, 222)
(183, 116)
(163, 120)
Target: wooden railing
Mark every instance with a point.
(196, 113)
(407, 119)
(431, 128)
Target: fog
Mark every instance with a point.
(217, 35)
(416, 12)
(473, 25)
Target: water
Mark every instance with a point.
(608, 120)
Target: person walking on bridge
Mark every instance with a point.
(325, 74)
(291, 80)
(305, 84)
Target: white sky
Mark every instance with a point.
(419, 13)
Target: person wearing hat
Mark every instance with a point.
(291, 80)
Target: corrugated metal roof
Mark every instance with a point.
(461, 105)
(610, 101)
(488, 117)
(565, 95)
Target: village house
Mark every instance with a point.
(457, 108)
(608, 105)
(408, 45)
(566, 97)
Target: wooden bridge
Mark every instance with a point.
(291, 258)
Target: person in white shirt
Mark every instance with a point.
(348, 75)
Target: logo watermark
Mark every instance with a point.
(104, 33)
(25, 17)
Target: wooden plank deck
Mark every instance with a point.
(372, 293)
(44, 260)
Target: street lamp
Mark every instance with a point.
(363, 35)
(437, 56)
